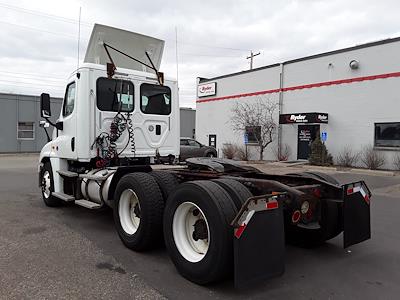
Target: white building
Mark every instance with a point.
(357, 89)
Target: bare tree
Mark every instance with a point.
(256, 118)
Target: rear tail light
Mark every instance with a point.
(296, 216)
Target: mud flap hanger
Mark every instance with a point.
(259, 240)
(356, 213)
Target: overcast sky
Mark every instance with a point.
(38, 48)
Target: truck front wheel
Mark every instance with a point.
(138, 211)
(47, 186)
(197, 233)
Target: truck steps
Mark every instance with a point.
(65, 173)
(64, 197)
(94, 177)
(87, 204)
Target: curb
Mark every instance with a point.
(373, 172)
(317, 168)
(19, 154)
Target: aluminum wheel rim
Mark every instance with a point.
(46, 183)
(183, 228)
(129, 211)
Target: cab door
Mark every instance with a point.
(115, 103)
(65, 143)
(156, 109)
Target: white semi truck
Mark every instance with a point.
(216, 217)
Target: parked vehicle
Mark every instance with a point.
(217, 217)
(192, 148)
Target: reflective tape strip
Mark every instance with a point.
(272, 205)
(239, 231)
(359, 189)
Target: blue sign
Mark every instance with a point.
(246, 138)
(324, 136)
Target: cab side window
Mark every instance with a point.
(115, 95)
(69, 100)
(155, 99)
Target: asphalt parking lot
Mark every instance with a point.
(72, 253)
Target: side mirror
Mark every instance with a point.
(45, 111)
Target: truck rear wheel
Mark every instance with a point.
(197, 231)
(237, 191)
(138, 211)
(166, 181)
(47, 186)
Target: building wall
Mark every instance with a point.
(214, 117)
(188, 122)
(23, 108)
(353, 106)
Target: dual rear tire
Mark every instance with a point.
(197, 230)
(193, 219)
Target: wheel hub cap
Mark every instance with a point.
(129, 211)
(191, 232)
(46, 183)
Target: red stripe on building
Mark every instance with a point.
(306, 86)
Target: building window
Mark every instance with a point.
(253, 134)
(155, 99)
(26, 131)
(387, 134)
(69, 100)
(115, 95)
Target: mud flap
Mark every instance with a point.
(356, 213)
(259, 240)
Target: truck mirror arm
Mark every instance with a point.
(58, 124)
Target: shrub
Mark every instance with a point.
(229, 151)
(372, 159)
(396, 161)
(242, 154)
(347, 157)
(319, 154)
(286, 151)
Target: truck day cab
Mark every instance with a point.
(216, 217)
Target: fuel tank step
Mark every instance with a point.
(64, 197)
(87, 204)
(68, 173)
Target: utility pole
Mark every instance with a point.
(252, 55)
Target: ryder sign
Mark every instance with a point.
(207, 89)
(313, 117)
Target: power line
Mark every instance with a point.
(52, 75)
(72, 21)
(215, 47)
(37, 29)
(210, 55)
(38, 13)
(31, 83)
(34, 78)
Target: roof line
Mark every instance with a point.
(352, 48)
